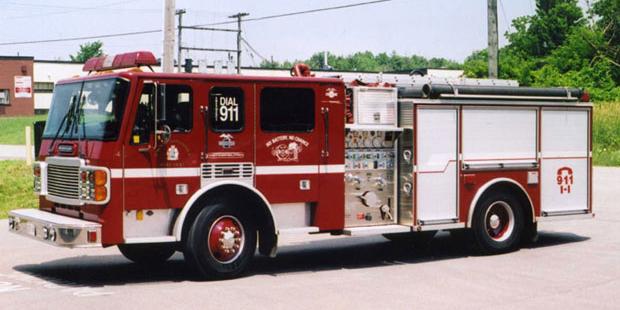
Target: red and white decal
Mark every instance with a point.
(565, 179)
(287, 148)
(331, 93)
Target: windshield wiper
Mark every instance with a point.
(69, 117)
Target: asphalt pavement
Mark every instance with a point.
(574, 265)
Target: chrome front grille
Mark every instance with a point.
(63, 181)
(227, 170)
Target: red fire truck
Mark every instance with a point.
(217, 166)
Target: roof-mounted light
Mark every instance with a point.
(120, 61)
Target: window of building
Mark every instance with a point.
(4, 96)
(226, 109)
(287, 109)
(44, 87)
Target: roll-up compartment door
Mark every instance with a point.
(565, 161)
(436, 165)
(499, 136)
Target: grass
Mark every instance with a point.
(16, 186)
(606, 134)
(12, 129)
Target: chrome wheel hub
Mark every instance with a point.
(494, 221)
(499, 221)
(226, 238)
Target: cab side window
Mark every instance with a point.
(226, 109)
(287, 109)
(178, 103)
(143, 126)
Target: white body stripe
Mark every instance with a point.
(195, 172)
(331, 168)
(116, 173)
(299, 169)
(161, 172)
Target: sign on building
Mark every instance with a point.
(23, 87)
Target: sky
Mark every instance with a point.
(450, 29)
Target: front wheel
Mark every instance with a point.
(221, 242)
(498, 223)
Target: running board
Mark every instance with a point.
(298, 230)
(376, 230)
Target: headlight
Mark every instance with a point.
(94, 185)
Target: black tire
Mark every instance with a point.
(221, 242)
(497, 223)
(530, 234)
(147, 254)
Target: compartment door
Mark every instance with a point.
(436, 165)
(565, 161)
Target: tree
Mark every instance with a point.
(555, 47)
(609, 24)
(543, 32)
(367, 61)
(87, 51)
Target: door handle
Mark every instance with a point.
(325, 113)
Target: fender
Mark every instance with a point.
(486, 186)
(180, 221)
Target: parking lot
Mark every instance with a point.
(574, 265)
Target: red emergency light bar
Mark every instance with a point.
(120, 61)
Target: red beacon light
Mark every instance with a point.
(120, 61)
(585, 96)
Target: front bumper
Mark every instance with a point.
(55, 229)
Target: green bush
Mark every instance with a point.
(606, 134)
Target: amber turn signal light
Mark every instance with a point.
(100, 177)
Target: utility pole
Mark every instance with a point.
(238, 16)
(168, 55)
(492, 38)
(179, 13)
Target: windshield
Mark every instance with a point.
(87, 110)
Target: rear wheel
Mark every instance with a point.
(221, 242)
(147, 254)
(498, 223)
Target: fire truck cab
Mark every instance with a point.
(218, 165)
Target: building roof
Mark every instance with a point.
(16, 58)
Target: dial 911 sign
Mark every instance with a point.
(226, 106)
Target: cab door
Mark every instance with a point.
(288, 151)
(162, 169)
(230, 131)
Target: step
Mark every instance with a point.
(376, 230)
(298, 230)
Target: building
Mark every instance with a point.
(16, 89)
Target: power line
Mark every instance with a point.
(83, 38)
(71, 9)
(508, 24)
(212, 24)
(252, 48)
(300, 12)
